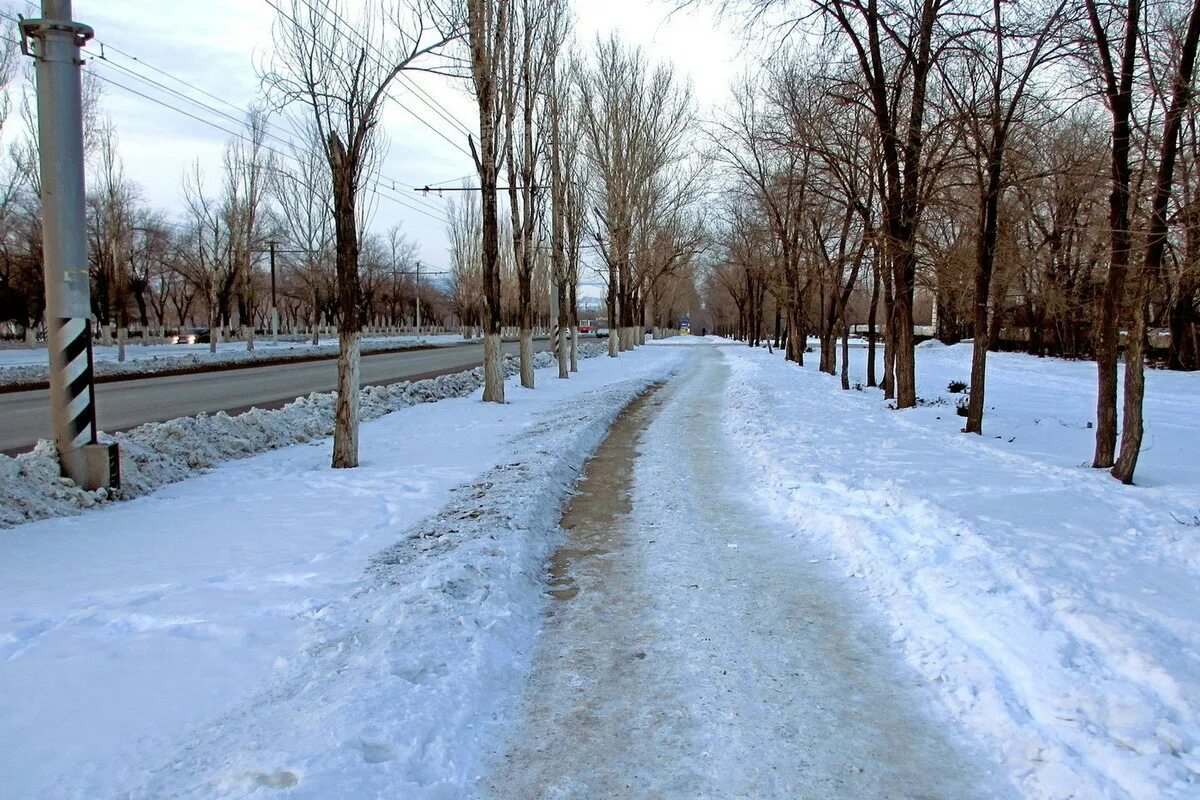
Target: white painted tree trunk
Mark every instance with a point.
(613, 345)
(250, 338)
(345, 409)
(121, 334)
(563, 355)
(493, 371)
(574, 349)
(527, 358)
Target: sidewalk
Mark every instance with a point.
(698, 650)
(277, 623)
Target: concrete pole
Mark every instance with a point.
(418, 298)
(56, 40)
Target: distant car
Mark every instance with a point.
(601, 333)
(192, 336)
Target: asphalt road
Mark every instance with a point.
(25, 416)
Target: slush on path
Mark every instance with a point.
(692, 650)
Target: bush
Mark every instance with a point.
(960, 407)
(956, 387)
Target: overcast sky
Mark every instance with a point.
(215, 44)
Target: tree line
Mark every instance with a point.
(1031, 166)
(580, 159)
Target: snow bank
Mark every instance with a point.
(1054, 608)
(156, 454)
(30, 365)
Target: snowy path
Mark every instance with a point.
(695, 651)
(274, 624)
(1053, 608)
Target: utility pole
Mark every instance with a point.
(418, 298)
(274, 309)
(56, 40)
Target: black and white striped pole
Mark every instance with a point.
(54, 41)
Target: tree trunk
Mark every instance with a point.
(493, 369)
(1120, 105)
(527, 357)
(985, 259)
(345, 409)
(1152, 257)
(1181, 355)
(345, 223)
(889, 340)
(574, 312)
(845, 356)
(904, 356)
(872, 314)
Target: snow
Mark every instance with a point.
(21, 365)
(1053, 607)
(155, 454)
(696, 652)
(813, 595)
(276, 624)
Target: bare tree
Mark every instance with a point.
(302, 192)
(487, 33)
(636, 123)
(988, 93)
(248, 165)
(1152, 255)
(338, 64)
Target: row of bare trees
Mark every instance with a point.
(597, 151)
(959, 145)
(589, 159)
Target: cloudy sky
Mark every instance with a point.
(215, 45)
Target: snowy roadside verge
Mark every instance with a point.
(399, 695)
(159, 453)
(28, 369)
(1052, 608)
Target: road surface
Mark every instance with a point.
(25, 416)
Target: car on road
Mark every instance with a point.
(192, 336)
(601, 333)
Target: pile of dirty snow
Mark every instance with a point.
(159, 453)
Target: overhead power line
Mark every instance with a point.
(429, 101)
(106, 62)
(378, 61)
(374, 187)
(101, 58)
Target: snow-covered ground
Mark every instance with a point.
(695, 652)
(29, 364)
(1055, 609)
(276, 624)
(159, 453)
(273, 627)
